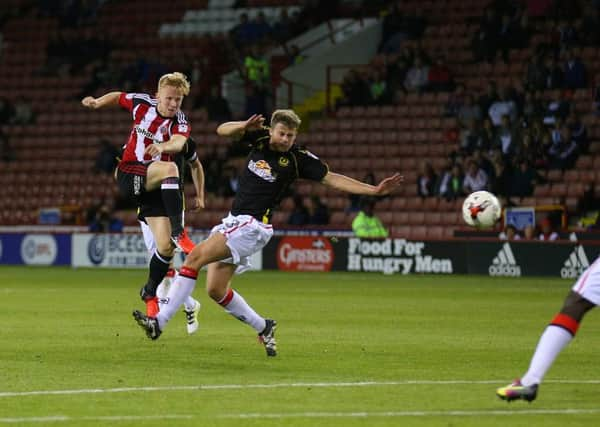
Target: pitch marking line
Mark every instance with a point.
(388, 414)
(268, 386)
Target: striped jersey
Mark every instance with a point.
(149, 127)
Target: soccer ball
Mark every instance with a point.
(481, 209)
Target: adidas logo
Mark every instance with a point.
(575, 264)
(504, 264)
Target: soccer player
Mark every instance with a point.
(584, 296)
(273, 164)
(159, 130)
(191, 308)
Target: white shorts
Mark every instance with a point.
(148, 237)
(245, 236)
(588, 284)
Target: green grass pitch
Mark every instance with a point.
(354, 350)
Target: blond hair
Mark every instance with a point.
(286, 117)
(176, 80)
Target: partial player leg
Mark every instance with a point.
(555, 338)
(218, 280)
(168, 175)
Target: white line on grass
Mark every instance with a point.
(268, 386)
(565, 411)
(65, 418)
(388, 414)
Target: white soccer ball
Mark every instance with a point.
(481, 209)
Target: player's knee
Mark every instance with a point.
(215, 293)
(170, 170)
(575, 306)
(165, 248)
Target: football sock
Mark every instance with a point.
(236, 305)
(180, 290)
(557, 336)
(173, 202)
(159, 265)
(189, 303)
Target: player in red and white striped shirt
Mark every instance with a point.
(159, 130)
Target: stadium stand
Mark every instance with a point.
(54, 156)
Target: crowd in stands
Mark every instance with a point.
(506, 137)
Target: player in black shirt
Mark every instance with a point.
(273, 164)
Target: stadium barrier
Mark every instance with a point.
(400, 256)
(320, 253)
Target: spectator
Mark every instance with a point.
(485, 40)
(318, 211)
(523, 180)
(378, 88)
(23, 113)
(578, 131)
(469, 111)
(490, 96)
(529, 232)
(537, 73)
(105, 222)
(299, 215)
(509, 233)
(563, 151)
(507, 137)
(555, 75)
(282, 30)
(475, 178)
(6, 111)
(547, 232)
(366, 224)
(456, 100)
(7, 154)
(439, 78)
(505, 105)
(106, 158)
(426, 181)
(417, 76)
(355, 90)
(451, 182)
(574, 72)
(217, 107)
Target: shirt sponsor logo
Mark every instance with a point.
(575, 264)
(262, 169)
(505, 264)
(145, 132)
(302, 253)
(39, 249)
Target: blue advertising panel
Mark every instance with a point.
(35, 249)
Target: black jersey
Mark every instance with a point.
(268, 175)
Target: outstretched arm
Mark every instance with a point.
(172, 146)
(110, 99)
(197, 172)
(237, 129)
(351, 185)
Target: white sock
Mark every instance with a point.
(179, 291)
(190, 303)
(236, 305)
(552, 341)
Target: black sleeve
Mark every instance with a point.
(310, 166)
(189, 153)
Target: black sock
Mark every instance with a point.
(171, 196)
(159, 265)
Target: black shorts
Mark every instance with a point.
(131, 179)
(151, 204)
